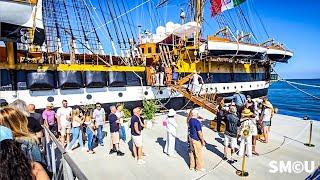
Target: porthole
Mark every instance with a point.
(235, 87)
(241, 87)
(211, 89)
(224, 88)
(228, 87)
(120, 94)
(160, 92)
(146, 93)
(258, 85)
(50, 99)
(89, 96)
(250, 86)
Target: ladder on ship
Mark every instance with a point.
(205, 100)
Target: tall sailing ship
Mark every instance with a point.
(55, 49)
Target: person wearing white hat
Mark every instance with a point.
(196, 142)
(267, 113)
(171, 128)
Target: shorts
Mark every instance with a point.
(115, 137)
(266, 123)
(137, 141)
(65, 129)
(229, 139)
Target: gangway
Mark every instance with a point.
(203, 99)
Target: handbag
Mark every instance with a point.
(165, 122)
(260, 126)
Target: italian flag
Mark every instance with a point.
(218, 6)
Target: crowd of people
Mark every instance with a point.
(23, 135)
(246, 120)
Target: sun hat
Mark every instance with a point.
(5, 133)
(172, 112)
(267, 104)
(246, 112)
(49, 104)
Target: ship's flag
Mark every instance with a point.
(218, 6)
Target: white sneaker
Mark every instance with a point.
(140, 162)
(202, 170)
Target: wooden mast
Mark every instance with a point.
(198, 18)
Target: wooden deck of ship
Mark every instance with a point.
(286, 144)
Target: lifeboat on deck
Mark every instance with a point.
(223, 47)
(279, 54)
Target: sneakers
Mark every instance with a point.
(201, 170)
(225, 158)
(112, 151)
(119, 153)
(140, 161)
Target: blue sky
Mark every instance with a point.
(293, 23)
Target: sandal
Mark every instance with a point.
(255, 153)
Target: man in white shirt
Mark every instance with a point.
(100, 119)
(63, 116)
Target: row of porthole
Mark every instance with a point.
(120, 94)
(235, 87)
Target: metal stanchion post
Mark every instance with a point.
(242, 172)
(309, 144)
(53, 160)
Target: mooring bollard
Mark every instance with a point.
(242, 172)
(309, 144)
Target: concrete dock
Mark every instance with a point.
(286, 144)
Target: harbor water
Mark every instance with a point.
(293, 102)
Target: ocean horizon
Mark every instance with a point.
(293, 102)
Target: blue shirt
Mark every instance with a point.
(238, 99)
(114, 126)
(135, 119)
(195, 126)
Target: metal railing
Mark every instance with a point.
(59, 162)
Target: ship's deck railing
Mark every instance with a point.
(58, 161)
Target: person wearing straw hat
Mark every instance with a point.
(267, 112)
(171, 128)
(246, 130)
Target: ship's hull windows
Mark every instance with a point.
(232, 77)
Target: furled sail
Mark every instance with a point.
(22, 21)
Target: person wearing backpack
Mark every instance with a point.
(230, 135)
(171, 128)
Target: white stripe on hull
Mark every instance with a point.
(111, 94)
